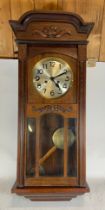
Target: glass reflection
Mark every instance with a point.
(30, 150)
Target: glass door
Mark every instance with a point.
(51, 150)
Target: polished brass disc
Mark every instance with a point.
(52, 77)
(58, 138)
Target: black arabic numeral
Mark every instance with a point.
(67, 78)
(52, 63)
(37, 78)
(38, 85)
(64, 85)
(40, 71)
(52, 92)
(44, 90)
(44, 65)
(65, 71)
(60, 92)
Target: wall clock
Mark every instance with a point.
(52, 89)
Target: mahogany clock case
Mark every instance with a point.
(62, 175)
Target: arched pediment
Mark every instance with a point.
(54, 26)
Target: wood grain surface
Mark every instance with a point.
(18, 7)
(6, 43)
(102, 47)
(90, 10)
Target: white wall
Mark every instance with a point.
(96, 120)
(95, 140)
(8, 115)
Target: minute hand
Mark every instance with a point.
(60, 74)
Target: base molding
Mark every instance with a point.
(49, 193)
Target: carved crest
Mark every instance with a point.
(51, 32)
(53, 108)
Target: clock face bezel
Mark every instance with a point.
(69, 72)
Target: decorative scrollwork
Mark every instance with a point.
(51, 32)
(51, 108)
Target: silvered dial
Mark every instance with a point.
(52, 77)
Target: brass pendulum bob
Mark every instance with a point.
(58, 140)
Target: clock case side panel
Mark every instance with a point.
(82, 49)
(21, 113)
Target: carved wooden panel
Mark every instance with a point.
(68, 111)
(52, 31)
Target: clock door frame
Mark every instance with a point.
(71, 111)
(60, 30)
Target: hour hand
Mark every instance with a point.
(56, 83)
